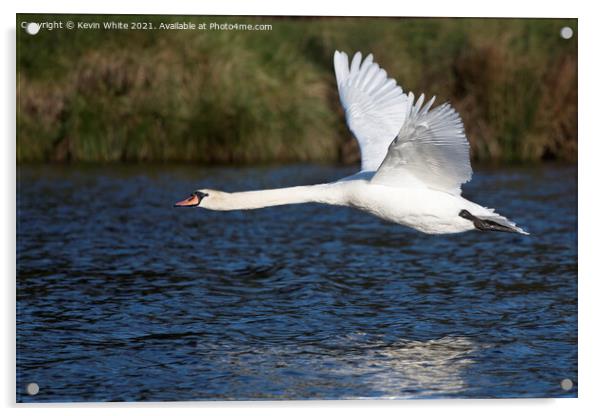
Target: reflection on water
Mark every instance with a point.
(433, 367)
(122, 297)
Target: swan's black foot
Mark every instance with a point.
(485, 224)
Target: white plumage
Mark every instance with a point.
(414, 159)
(431, 147)
(375, 106)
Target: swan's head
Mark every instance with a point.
(201, 198)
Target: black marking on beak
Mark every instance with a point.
(200, 195)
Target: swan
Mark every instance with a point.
(414, 159)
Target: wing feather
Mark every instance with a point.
(375, 106)
(430, 150)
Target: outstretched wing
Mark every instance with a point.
(375, 106)
(430, 150)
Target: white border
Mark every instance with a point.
(589, 208)
(514, 8)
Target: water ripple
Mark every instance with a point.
(121, 297)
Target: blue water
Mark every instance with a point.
(121, 297)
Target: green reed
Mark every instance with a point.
(270, 96)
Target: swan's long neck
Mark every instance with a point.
(326, 193)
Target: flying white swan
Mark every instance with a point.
(414, 160)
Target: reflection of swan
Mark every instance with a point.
(431, 368)
(414, 160)
(353, 368)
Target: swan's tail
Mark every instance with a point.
(492, 221)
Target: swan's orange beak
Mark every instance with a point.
(192, 201)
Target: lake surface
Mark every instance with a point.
(121, 297)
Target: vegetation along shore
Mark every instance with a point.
(256, 96)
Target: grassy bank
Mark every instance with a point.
(257, 96)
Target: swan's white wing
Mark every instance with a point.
(375, 106)
(430, 150)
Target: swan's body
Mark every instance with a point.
(414, 161)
